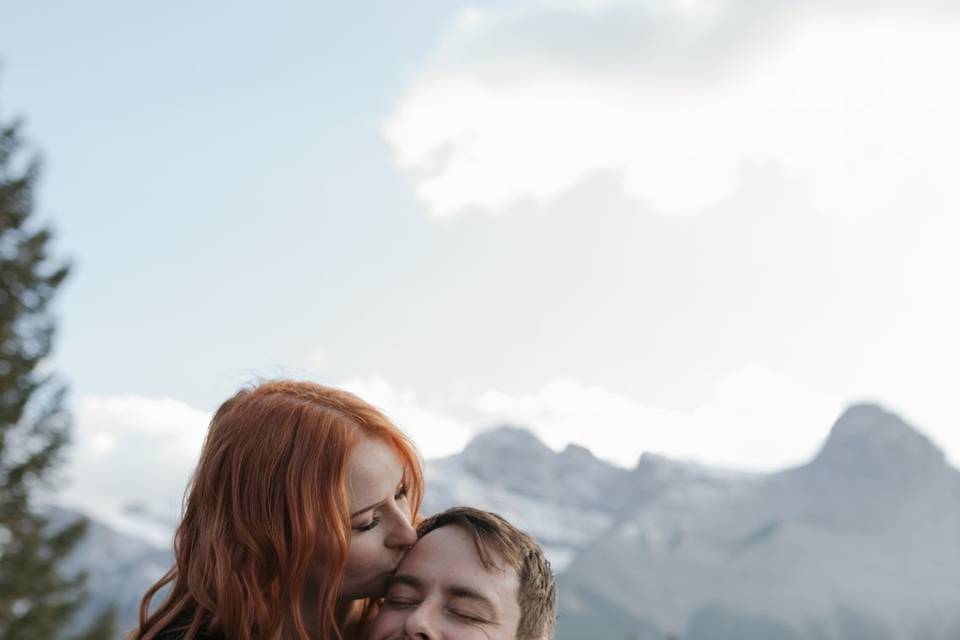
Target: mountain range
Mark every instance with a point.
(861, 543)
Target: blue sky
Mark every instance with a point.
(218, 176)
(683, 226)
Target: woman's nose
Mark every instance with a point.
(403, 535)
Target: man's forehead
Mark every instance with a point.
(447, 557)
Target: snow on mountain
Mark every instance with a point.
(564, 499)
(120, 568)
(861, 543)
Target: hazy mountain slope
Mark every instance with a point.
(564, 499)
(120, 568)
(863, 542)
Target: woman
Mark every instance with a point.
(300, 508)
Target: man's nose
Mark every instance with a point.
(419, 625)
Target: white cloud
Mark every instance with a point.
(135, 450)
(129, 450)
(855, 100)
(435, 432)
(757, 419)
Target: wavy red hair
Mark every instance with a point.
(265, 504)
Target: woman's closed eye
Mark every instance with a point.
(399, 496)
(367, 526)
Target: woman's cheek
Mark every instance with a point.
(362, 552)
(355, 554)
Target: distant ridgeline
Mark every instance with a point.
(862, 543)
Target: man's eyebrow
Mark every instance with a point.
(404, 579)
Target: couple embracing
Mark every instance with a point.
(301, 523)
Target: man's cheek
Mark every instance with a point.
(388, 625)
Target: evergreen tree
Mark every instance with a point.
(36, 601)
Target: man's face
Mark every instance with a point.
(441, 590)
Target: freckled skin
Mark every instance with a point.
(379, 537)
(442, 561)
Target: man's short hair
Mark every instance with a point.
(493, 536)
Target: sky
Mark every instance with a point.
(695, 227)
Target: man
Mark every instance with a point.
(471, 574)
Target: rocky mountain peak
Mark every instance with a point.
(651, 460)
(868, 436)
(506, 440)
(576, 452)
(512, 458)
(507, 454)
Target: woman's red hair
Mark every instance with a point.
(265, 504)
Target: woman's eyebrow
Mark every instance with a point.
(373, 506)
(365, 509)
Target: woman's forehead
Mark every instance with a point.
(374, 471)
